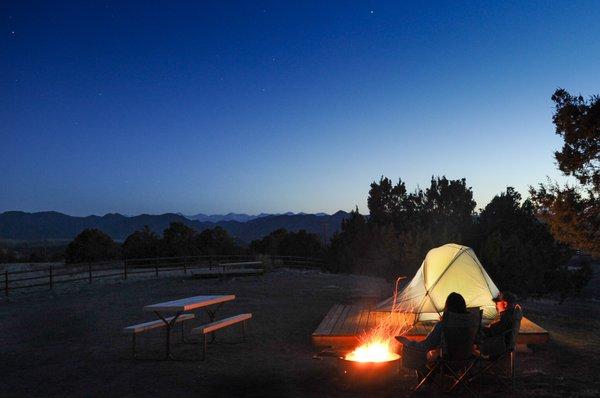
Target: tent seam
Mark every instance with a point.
(460, 252)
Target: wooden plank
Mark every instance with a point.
(351, 321)
(327, 323)
(340, 321)
(220, 324)
(528, 327)
(361, 325)
(146, 326)
(189, 303)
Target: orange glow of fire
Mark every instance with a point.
(373, 351)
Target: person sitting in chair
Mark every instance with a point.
(507, 309)
(455, 304)
(422, 355)
(498, 336)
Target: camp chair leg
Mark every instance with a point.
(460, 378)
(203, 347)
(427, 377)
(244, 331)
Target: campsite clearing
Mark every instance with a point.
(75, 345)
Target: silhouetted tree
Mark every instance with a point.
(268, 244)
(349, 246)
(179, 240)
(449, 207)
(301, 243)
(7, 255)
(387, 202)
(442, 213)
(518, 251)
(284, 243)
(141, 244)
(573, 212)
(91, 245)
(216, 241)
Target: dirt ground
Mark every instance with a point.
(69, 343)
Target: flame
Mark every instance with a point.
(374, 351)
(377, 344)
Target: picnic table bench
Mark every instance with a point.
(178, 307)
(209, 303)
(220, 324)
(157, 324)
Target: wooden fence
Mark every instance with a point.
(49, 276)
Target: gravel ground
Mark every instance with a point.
(69, 343)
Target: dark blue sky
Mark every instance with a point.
(250, 107)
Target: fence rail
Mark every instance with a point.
(16, 280)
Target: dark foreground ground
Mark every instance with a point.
(70, 343)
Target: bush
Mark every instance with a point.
(141, 244)
(91, 245)
(284, 243)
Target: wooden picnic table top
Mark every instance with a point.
(189, 303)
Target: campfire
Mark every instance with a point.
(373, 351)
(377, 345)
(374, 361)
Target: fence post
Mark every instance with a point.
(125, 269)
(89, 272)
(305, 262)
(185, 265)
(6, 283)
(156, 268)
(50, 276)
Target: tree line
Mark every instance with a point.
(514, 246)
(180, 240)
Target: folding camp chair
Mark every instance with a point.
(497, 348)
(457, 357)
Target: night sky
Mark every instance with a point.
(255, 107)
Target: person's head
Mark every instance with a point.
(455, 303)
(504, 300)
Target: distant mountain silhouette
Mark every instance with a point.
(240, 217)
(20, 225)
(224, 217)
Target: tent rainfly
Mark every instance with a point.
(446, 269)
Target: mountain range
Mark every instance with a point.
(241, 217)
(51, 225)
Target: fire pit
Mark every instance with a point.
(369, 364)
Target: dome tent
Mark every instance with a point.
(446, 269)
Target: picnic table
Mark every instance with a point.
(186, 304)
